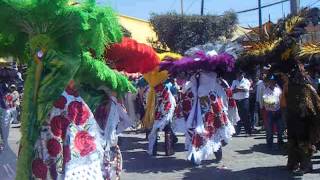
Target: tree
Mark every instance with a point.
(126, 32)
(179, 33)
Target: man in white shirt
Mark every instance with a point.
(271, 102)
(240, 88)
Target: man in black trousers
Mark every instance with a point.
(241, 88)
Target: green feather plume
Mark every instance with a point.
(64, 32)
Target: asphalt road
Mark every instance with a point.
(245, 158)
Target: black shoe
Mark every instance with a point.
(301, 172)
(193, 161)
(218, 155)
(223, 143)
(168, 143)
(155, 148)
(175, 139)
(147, 134)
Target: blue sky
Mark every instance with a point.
(143, 8)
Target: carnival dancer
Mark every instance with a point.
(131, 56)
(208, 122)
(183, 106)
(112, 119)
(164, 109)
(60, 137)
(303, 121)
(285, 53)
(233, 113)
(208, 125)
(160, 108)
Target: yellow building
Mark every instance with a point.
(140, 30)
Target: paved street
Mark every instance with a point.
(245, 158)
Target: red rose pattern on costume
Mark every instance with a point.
(59, 125)
(213, 119)
(78, 112)
(54, 141)
(54, 147)
(60, 103)
(84, 143)
(163, 103)
(187, 103)
(197, 141)
(183, 107)
(39, 168)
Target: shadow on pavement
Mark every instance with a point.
(259, 173)
(131, 143)
(249, 151)
(128, 143)
(136, 159)
(263, 148)
(141, 162)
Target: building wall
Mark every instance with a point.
(141, 30)
(312, 35)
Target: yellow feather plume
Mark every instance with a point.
(155, 78)
(309, 49)
(292, 22)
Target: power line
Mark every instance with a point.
(173, 3)
(264, 6)
(190, 5)
(312, 4)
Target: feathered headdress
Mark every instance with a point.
(208, 57)
(131, 56)
(281, 46)
(309, 53)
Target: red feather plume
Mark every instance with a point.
(131, 56)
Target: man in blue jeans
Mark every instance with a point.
(271, 102)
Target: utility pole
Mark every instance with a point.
(294, 6)
(260, 18)
(181, 6)
(202, 7)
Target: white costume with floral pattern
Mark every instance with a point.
(208, 122)
(72, 146)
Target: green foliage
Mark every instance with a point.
(180, 33)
